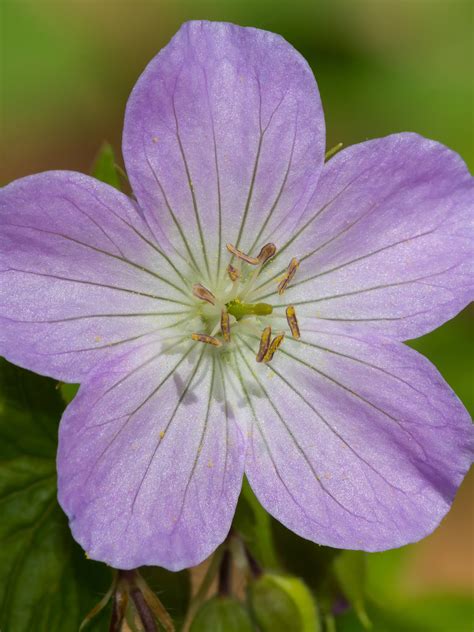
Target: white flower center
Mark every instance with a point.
(226, 310)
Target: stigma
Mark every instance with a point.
(228, 313)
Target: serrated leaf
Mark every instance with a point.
(105, 167)
(46, 583)
(280, 603)
(222, 614)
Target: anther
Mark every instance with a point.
(264, 343)
(210, 340)
(233, 273)
(266, 253)
(204, 294)
(275, 343)
(225, 325)
(292, 322)
(254, 261)
(289, 274)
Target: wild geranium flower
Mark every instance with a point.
(243, 313)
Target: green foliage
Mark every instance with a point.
(46, 583)
(222, 614)
(305, 559)
(349, 569)
(173, 589)
(429, 614)
(254, 525)
(105, 167)
(280, 603)
(68, 391)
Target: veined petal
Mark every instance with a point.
(80, 275)
(224, 138)
(357, 441)
(151, 459)
(387, 242)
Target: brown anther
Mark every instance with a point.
(203, 294)
(289, 274)
(254, 261)
(233, 273)
(266, 253)
(264, 343)
(292, 321)
(225, 325)
(275, 343)
(210, 340)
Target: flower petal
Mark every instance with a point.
(79, 275)
(151, 459)
(224, 137)
(387, 242)
(357, 441)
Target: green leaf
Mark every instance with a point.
(436, 613)
(349, 569)
(46, 583)
(222, 614)
(105, 167)
(280, 603)
(254, 524)
(173, 589)
(68, 391)
(300, 557)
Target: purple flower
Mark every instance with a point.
(346, 435)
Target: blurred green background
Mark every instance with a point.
(382, 66)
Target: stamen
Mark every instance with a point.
(275, 343)
(264, 343)
(254, 261)
(233, 273)
(289, 274)
(204, 294)
(266, 253)
(292, 322)
(210, 340)
(225, 325)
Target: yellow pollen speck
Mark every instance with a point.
(86, 554)
(97, 339)
(210, 464)
(162, 434)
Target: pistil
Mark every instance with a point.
(238, 309)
